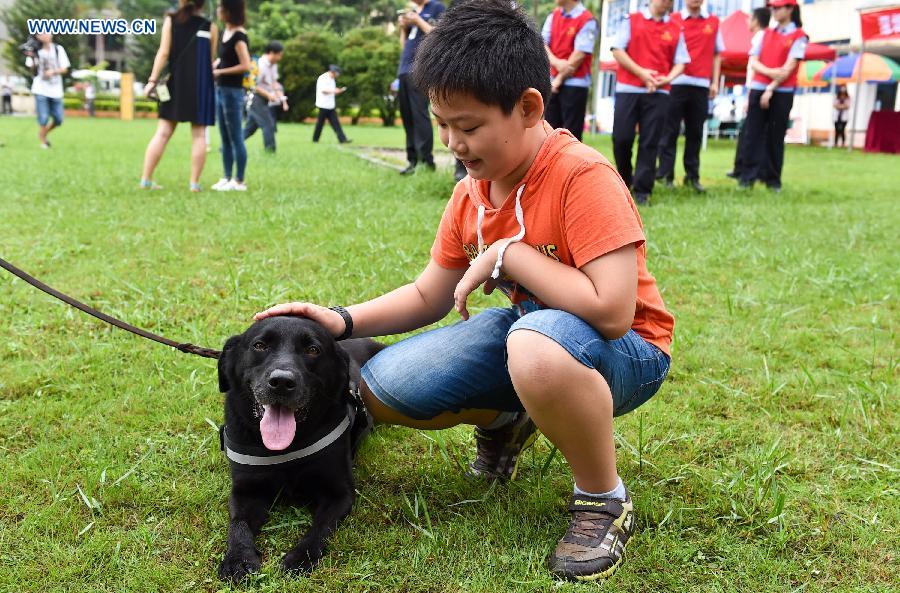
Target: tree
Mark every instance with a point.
(141, 49)
(16, 20)
(369, 61)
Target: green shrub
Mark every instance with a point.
(369, 60)
(305, 58)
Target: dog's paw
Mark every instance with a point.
(235, 567)
(301, 559)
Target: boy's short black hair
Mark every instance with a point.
(762, 16)
(489, 49)
(273, 47)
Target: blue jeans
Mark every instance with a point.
(464, 365)
(229, 112)
(47, 108)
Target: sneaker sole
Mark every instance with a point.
(602, 576)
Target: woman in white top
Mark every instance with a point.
(841, 111)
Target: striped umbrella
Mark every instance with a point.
(807, 71)
(875, 68)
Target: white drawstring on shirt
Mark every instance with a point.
(520, 218)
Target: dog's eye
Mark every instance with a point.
(260, 346)
(313, 350)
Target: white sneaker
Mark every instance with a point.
(235, 185)
(220, 184)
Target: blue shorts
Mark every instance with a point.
(47, 108)
(464, 365)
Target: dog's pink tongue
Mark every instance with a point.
(278, 427)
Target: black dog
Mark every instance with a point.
(293, 423)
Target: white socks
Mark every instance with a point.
(618, 492)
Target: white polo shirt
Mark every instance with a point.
(325, 83)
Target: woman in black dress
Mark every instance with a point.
(186, 50)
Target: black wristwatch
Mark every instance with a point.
(348, 322)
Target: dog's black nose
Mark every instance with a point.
(282, 380)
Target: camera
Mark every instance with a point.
(31, 46)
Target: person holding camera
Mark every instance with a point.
(186, 94)
(48, 62)
(414, 25)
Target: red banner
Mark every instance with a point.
(878, 25)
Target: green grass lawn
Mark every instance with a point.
(767, 462)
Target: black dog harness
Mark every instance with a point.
(260, 456)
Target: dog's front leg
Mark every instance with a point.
(248, 511)
(328, 513)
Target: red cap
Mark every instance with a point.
(777, 3)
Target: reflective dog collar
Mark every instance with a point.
(312, 449)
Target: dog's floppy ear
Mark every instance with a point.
(343, 368)
(225, 363)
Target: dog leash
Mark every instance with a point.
(183, 347)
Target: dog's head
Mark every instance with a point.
(281, 371)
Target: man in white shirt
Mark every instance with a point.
(326, 91)
(48, 66)
(89, 96)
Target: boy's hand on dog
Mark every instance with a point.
(330, 320)
(479, 272)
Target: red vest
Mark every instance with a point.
(774, 53)
(562, 39)
(652, 46)
(700, 38)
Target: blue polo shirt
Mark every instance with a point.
(430, 13)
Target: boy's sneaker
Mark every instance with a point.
(235, 185)
(220, 184)
(593, 547)
(499, 450)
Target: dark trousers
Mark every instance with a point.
(416, 122)
(763, 138)
(258, 117)
(839, 132)
(275, 110)
(688, 103)
(7, 104)
(739, 154)
(332, 117)
(648, 110)
(566, 108)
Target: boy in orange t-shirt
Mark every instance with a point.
(549, 222)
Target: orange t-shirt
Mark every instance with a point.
(576, 208)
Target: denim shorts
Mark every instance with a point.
(47, 108)
(464, 365)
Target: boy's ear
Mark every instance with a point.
(225, 363)
(532, 105)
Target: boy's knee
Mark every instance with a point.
(536, 363)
